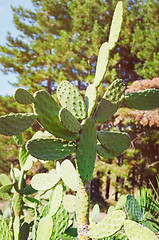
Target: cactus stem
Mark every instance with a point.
(82, 211)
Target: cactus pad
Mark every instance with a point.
(49, 149)
(44, 228)
(135, 231)
(44, 181)
(95, 213)
(69, 203)
(121, 202)
(110, 102)
(13, 124)
(108, 225)
(114, 142)
(102, 63)
(4, 179)
(70, 98)
(69, 121)
(116, 25)
(133, 209)
(103, 152)
(48, 110)
(90, 99)
(55, 200)
(4, 230)
(86, 150)
(143, 100)
(69, 175)
(23, 97)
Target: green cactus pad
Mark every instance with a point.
(48, 110)
(44, 181)
(108, 225)
(69, 121)
(4, 230)
(143, 100)
(69, 175)
(103, 152)
(69, 203)
(102, 63)
(110, 102)
(90, 99)
(86, 150)
(114, 142)
(133, 209)
(95, 213)
(136, 231)
(70, 98)
(116, 25)
(55, 200)
(13, 124)
(23, 97)
(49, 149)
(44, 228)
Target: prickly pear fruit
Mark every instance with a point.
(70, 98)
(44, 228)
(110, 102)
(108, 225)
(114, 142)
(49, 149)
(86, 150)
(143, 100)
(69, 175)
(4, 230)
(90, 99)
(135, 231)
(13, 124)
(69, 121)
(44, 181)
(55, 200)
(116, 25)
(48, 110)
(102, 63)
(23, 97)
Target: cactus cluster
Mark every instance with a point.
(71, 127)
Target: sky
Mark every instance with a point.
(6, 25)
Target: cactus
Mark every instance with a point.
(71, 99)
(143, 100)
(90, 99)
(95, 213)
(108, 225)
(44, 181)
(4, 230)
(13, 124)
(16, 227)
(69, 203)
(44, 228)
(133, 209)
(69, 175)
(49, 149)
(86, 150)
(110, 102)
(23, 97)
(69, 121)
(135, 231)
(64, 134)
(47, 110)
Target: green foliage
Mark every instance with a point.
(4, 230)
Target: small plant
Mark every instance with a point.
(71, 127)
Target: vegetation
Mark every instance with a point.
(72, 126)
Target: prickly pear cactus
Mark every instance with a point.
(23, 97)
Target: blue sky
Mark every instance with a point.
(6, 24)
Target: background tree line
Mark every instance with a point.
(60, 39)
